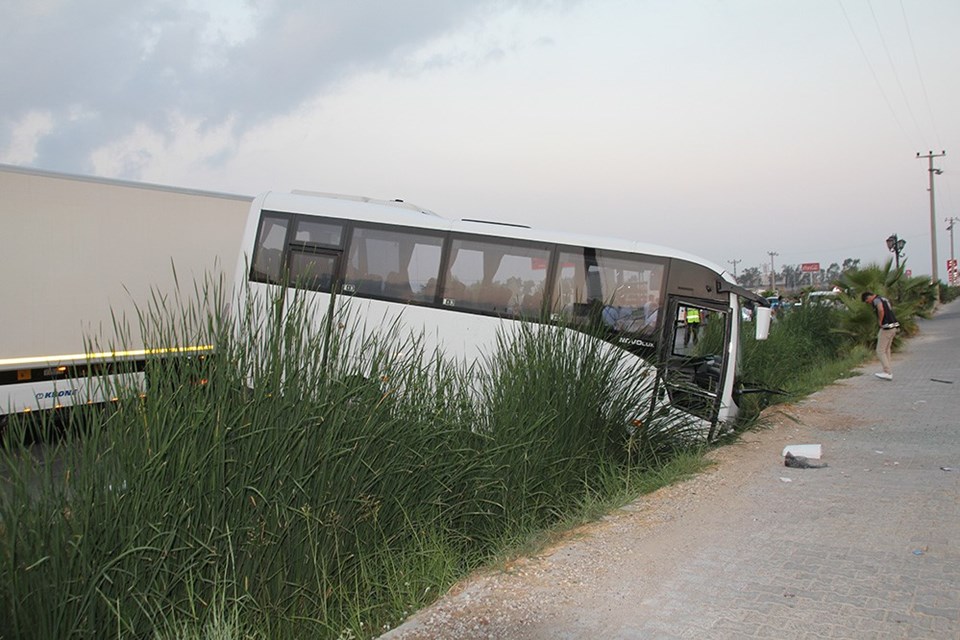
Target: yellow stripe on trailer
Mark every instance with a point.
(103, 355)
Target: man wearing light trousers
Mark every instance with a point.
(888, 330)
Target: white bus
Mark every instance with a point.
(462, 281)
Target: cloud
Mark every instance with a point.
(107, 70)
(22, 137)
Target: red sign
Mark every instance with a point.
(810, 267)
(952, 271)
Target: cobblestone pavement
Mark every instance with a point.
(866, 548)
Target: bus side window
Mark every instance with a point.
(313, 271)
(393, 263)
(318, 232)
(498, 277)
(570, 287)
(268, 252)
(620, 290)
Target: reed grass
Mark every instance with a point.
(309, 478)
(804, 339)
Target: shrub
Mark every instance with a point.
(307, 478)
(910, 297)
(803, 338)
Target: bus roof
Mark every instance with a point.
(403, 213)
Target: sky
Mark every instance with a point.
(731, 129)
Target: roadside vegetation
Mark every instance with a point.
(814, 343)
(281, 490)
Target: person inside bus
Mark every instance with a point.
(692, 331)
(651, 311)
(627, 313)
(397, 285)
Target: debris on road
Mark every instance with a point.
(800, 462)
(805, 450)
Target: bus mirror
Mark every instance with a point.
(763, 322)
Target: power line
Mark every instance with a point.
(926, 98)
(873, 72)
(923, 85)
(893, 68)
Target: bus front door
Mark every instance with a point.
(694, 355)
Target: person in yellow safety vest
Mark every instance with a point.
(693, 326)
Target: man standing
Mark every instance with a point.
(692, 319)
(888, 329)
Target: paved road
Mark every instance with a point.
(867, 548)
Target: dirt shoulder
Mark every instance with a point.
(629, 553)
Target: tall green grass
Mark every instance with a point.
(307, 479)
(800, 340)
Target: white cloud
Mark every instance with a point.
(24, 135)
(165, 158)
(136, 64)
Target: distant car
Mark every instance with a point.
(829, 298)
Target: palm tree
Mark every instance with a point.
(910, 296)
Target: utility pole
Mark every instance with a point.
(773, 273)
(933, 226)
(736, 262)
(952, 220)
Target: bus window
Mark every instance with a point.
(317, 232)
(268, 253)
(570, 286)
(312, 270)
(623, 292)
(393, 263)
(492, 276)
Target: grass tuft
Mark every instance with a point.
(310, 478)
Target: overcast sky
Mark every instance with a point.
(729, 129)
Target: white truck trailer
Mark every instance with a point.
(78, 252)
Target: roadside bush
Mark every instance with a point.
(800, 340)
(949, 293)
(807, 342)
(303, 482)
(911, 298)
